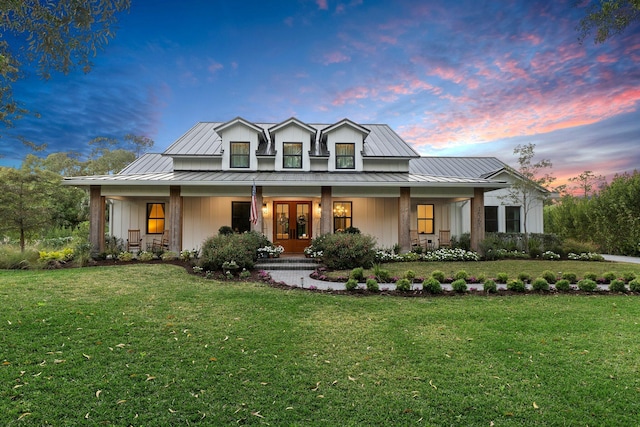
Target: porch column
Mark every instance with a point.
(477, 218)
(326, 211)
(404, 219)
(96, 219)
(175, 219)
(258, 226)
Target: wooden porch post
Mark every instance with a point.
(477, 218)
(326, 211)
(175, 219)
(258, 226)
(404, 219)
(96, 219)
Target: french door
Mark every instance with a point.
(292, 225)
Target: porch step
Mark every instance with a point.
(287, 263)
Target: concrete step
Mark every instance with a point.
(287, 263)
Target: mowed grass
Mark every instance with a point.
(151, 345)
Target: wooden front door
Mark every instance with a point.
(292, 225)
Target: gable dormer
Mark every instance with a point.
(292, 140)
(345, 142)
(240, 141)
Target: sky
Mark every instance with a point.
(464, 78)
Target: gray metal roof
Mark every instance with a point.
(149, 163)
(471, 167)
(203, 140)
(225, 178)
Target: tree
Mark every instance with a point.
(138, 144)
(50, 36)
(529, 187)
(608, 18)
(587, 182)
(26, 200)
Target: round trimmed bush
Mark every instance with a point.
(410, 275)
(432, 286)
(351, 285)
(341, 251)
(516, 285)
(540, 284)
(525, 277)
(563, 285)
(439, 276)
(628, 276)
(459, 286)
(403, 285)
(357, 274)
(634, 285)
(587, 285)
(461, 275)
(609, 276)
(549, 276)
(372, 285)
(591, 276)
(617, 285)
(502, 278)
(490, 286)
(571, 277)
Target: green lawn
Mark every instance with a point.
(151, 345)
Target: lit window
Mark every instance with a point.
(155, 218)
(341, 216)
(292, 155)
(491, 219)
(425, 219)
(345, 156)
(239, 154)
(512, 218)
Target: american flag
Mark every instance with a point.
(254, 206)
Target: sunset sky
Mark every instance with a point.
(465, 78)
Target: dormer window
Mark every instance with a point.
(345, 156)
(292, 155)
(239, 154)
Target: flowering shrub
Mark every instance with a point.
(585, 256)
(271, 250)
(549, 255)
(145, 256)
(442, 254)
(125, 256)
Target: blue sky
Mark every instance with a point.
(471, 78)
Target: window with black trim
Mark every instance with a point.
(345, 156)
(491, 219)
(292, 155)
(155, 218)
(425, 219)
(341, 216)
(512, 219)
(239, 154)
(240, 216)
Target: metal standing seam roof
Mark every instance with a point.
(477, 167)
(203, 140)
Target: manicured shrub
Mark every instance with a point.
(372, 285)
(403, 285)
(439, 276)
(617, 285)
(357, 274)
(241, 248)
(634, 285)
(459, 286)
(628, 276)
(490, 286)
(382, 274)
(549, 276)
(571, 277)
(351, 285)
(410, 275)
(587, 285)
(461, 274)
(342, 251)
(540, 284)
(516, 285)
(169, 256)
(502, 278)
(563, 285)
(591, 276)
(609, 276)
(432, 286)
(125, 256)
(145, 256)
(525, 277)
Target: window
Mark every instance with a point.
(240, 213)
(239, 154)
(345, 156)
(341, 216)
(491, 219)
(425, 219)
(512, 217)
(292, 155)
(155, 218)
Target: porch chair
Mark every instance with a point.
(163, 242)
(134, 241)
(444, 238)
(415, 240)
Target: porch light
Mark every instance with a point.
(264, 208)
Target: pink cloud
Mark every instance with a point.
(335, 58)
(322, 4)
(214, 67)
(350, 95)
